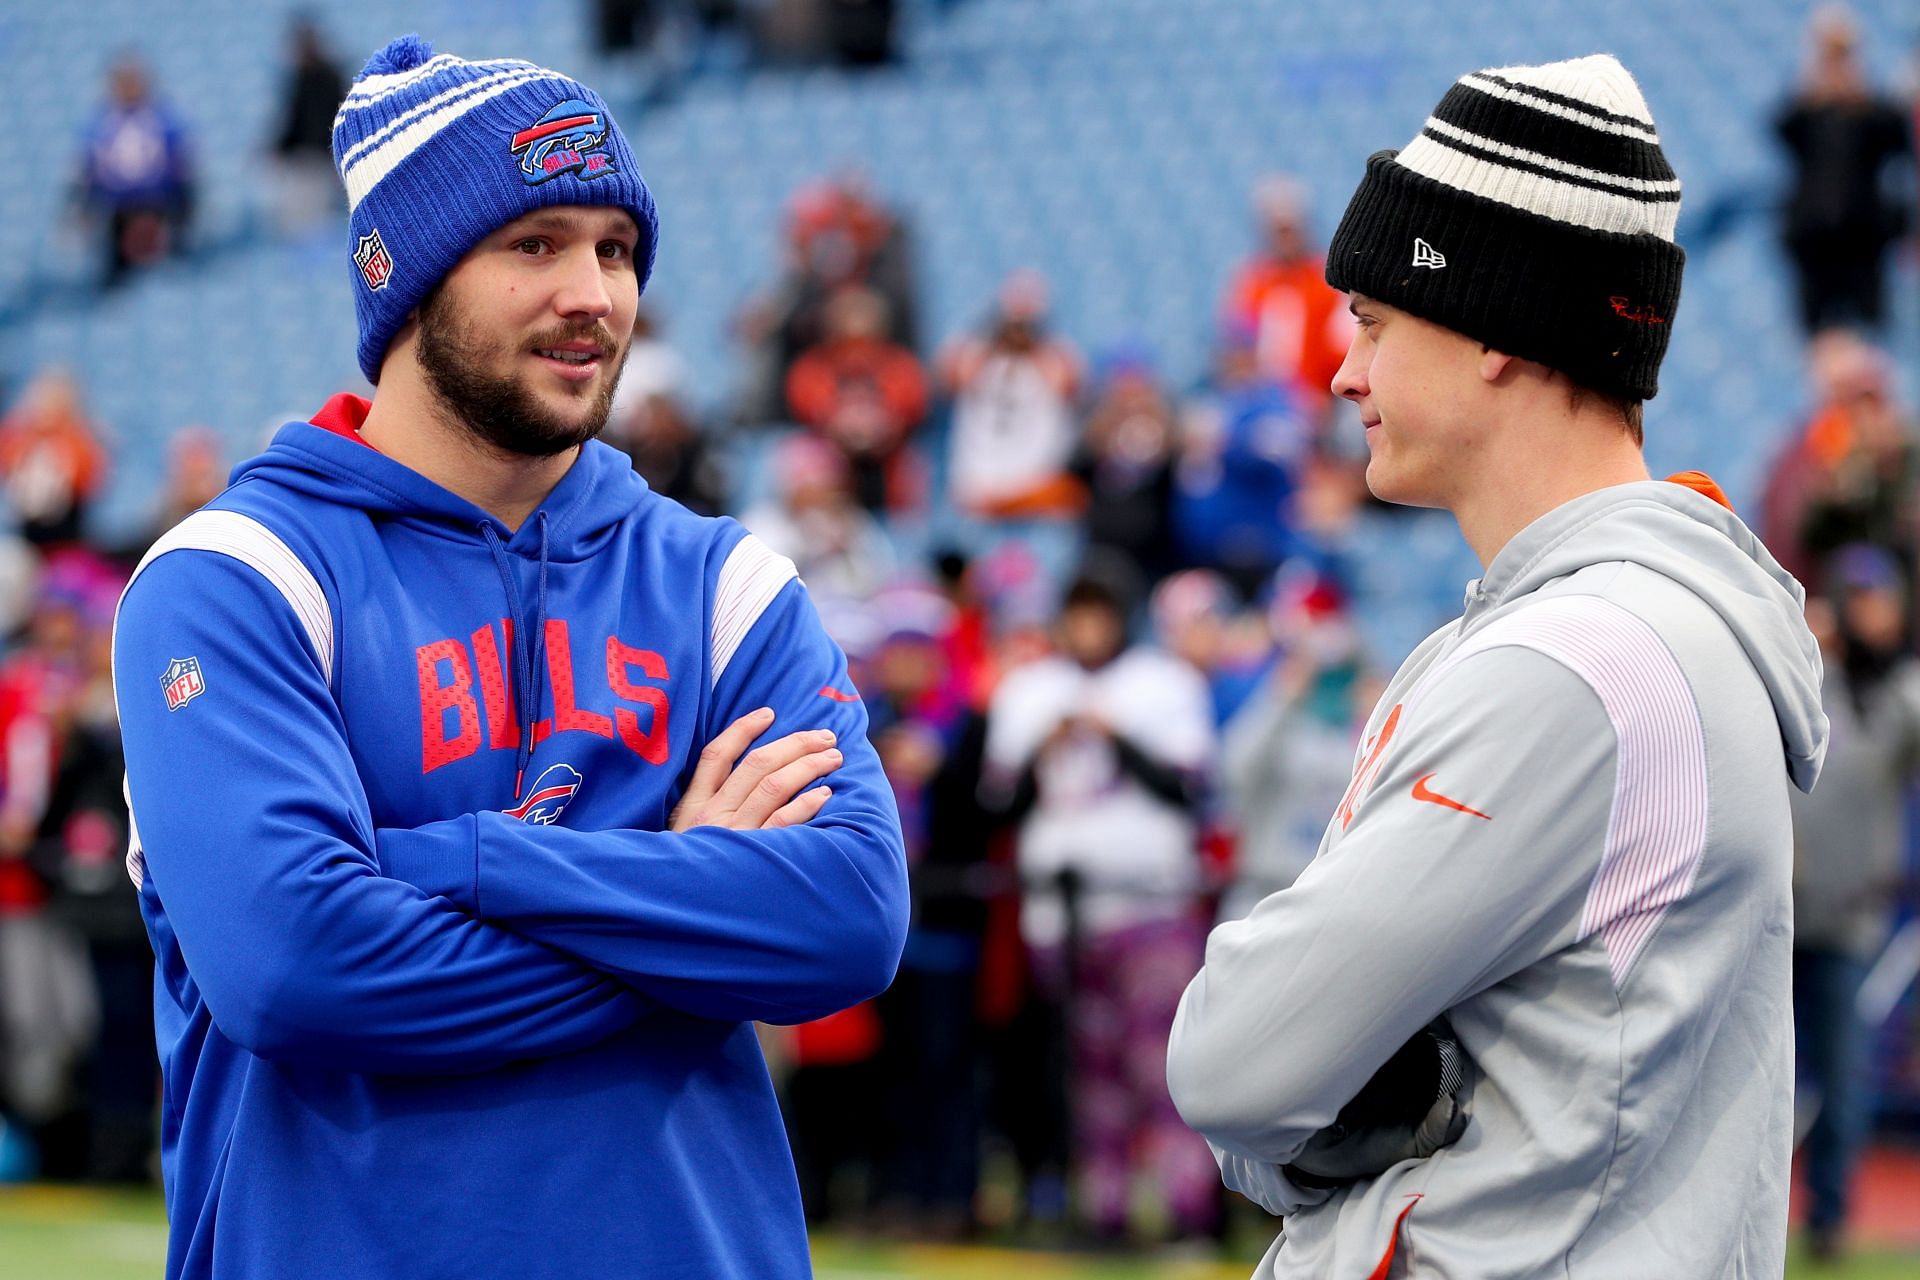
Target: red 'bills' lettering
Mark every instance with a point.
(437, 747)
(651, 746)
(450, 713)
(493, 687)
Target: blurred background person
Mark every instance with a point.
(932, 742)
(1286, 755)
(1101, 751)
(51, 461)
(1245, 443)
(1849, 474)
(196, 473)
(1014, 431)
(653, 421)
(308, 192)
(1298, 324)
(1125, 463)
(1849, 843)
(843, 554)
(1841, 214)
(837, 234)
(137, 177)
(865, 394)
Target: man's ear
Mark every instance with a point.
(1493, 364)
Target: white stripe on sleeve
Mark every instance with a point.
(749, 580)
(245, 539)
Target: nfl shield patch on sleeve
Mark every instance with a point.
(182, 682)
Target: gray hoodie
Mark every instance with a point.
(1568, 831)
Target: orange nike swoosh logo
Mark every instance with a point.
(1422, 792)
(837, 696)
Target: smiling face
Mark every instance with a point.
(524, 339)
(1422, 397)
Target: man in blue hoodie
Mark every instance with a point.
(464, 882)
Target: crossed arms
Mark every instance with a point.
(465, 944)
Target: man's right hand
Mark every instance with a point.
(765, 790)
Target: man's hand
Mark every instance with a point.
(763, 791)
(1410, 1109)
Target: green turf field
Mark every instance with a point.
(60, 1233)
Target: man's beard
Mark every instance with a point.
(497, 409)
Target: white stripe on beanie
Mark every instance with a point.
(1517, 93)
(384, 159)
(414, 113)
(1543, 197)
(1593, 94)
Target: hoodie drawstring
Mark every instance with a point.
(538, 677)
(529, 651)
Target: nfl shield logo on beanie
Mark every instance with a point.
(437, 153)
(371, 257)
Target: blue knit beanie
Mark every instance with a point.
(437, 153)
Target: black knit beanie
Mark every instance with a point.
(1535, 214)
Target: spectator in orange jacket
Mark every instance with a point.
(50, 461)
(865, 394)
(1281, 295)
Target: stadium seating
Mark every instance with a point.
(1110, 143)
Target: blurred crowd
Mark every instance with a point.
(1106, 628)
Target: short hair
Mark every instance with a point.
(1632, 413)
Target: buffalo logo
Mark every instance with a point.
(183, 682)
(550, 794)
(375, 263)
(571, 137)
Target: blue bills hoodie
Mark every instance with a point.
(438, 995)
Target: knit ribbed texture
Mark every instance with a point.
(437, 152)
(1535, 213)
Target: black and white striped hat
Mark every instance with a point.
(1534, 213)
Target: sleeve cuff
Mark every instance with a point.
(442, 861)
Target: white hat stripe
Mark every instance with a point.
(367, 88)
(387, 157)
(1439, 126)
(1533, 103)
(1581, 206)
(461, 90)
(372, 88)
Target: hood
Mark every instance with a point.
(327, 460)
(1676, 529)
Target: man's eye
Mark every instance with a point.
(614, 249)
(529, 246)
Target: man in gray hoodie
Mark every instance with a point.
(1561, 874)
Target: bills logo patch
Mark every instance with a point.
(550, 793)
(182, 682)
(375, 263)
(571, 138)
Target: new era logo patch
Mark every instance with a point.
(375, 263)
(182, 682)
(1425, 255)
